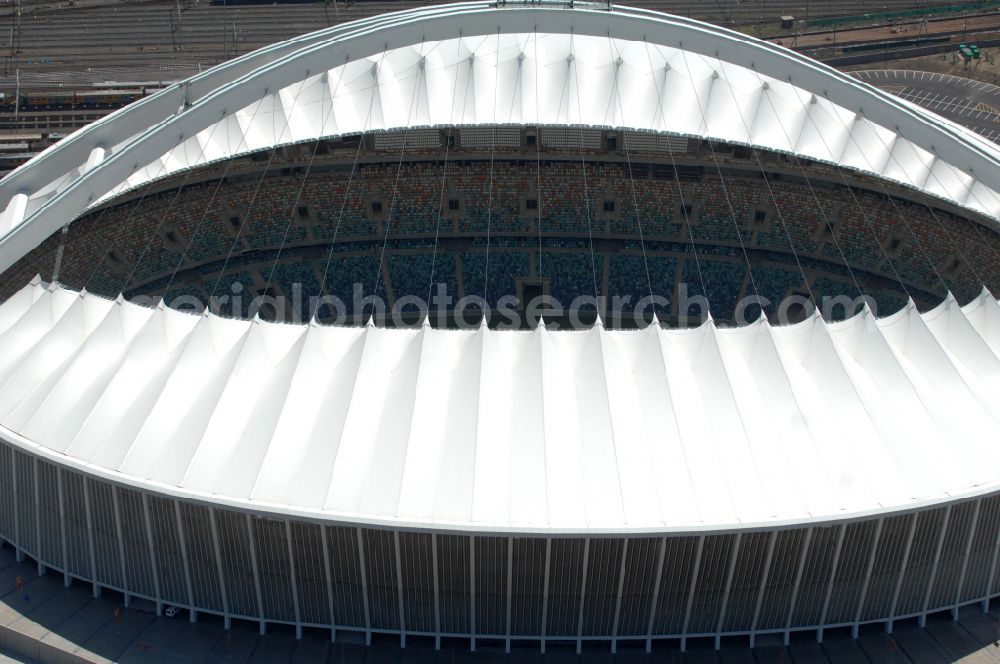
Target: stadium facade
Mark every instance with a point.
(633, 482)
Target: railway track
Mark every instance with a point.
(206, 28)
(747, 9)
(67, 46)
(62, 122)
(146, 41)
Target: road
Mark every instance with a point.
(973, 104)
(958, 26)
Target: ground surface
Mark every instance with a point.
(974, 104)
(987, 69)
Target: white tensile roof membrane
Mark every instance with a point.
(571, 431)
(477, 64)
(593, 430)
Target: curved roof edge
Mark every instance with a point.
(878, 132)
(280, 511)
(591, 431)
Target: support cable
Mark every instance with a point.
(583, 173)
(96, 223)
(628, 159)
(253, 199)
(899, 213)
(298, 196)
(169, 208)
(868, 222)
(812, 192)
(725, 191)
(538, 161)
(444, 180)
(924, 201)
(323, 285)
(399, 169)
(677, 178)
(990, 245)
(770, 192)
(125, 222)
(197, 228)
(489, 207)
(208, 207)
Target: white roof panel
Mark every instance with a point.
(591, 430)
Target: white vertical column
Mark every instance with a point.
(993, 571)
(185, 560)
(510, 587)
(121, 542)
(834, 567)
(966, 552)
(295, 579)
(437, 592)
(364, 587)
(18, 535)
(772, 538)
(91, 546)
(733, 555)
(256, 573)
(64, 544)
(691, 589)
(38, 516)
(618, 597)
(800, 568)
(399, 590)
(868, 578)
(902, 572)
(934, 566)
(60, 252)
(328, 575)
(545, 591)
(217, 546)
(151, 546)
(583, 595)
(661, 552)
(472, 592)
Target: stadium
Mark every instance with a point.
(553, 323)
